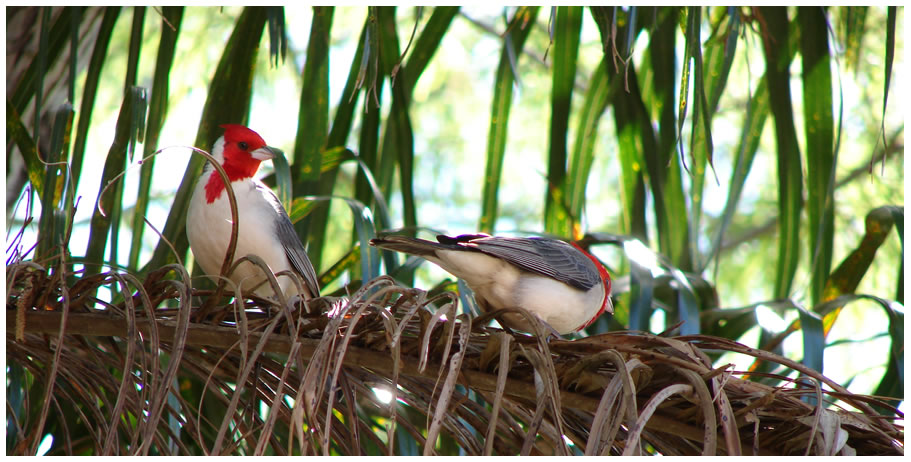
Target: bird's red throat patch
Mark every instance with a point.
(215, 186)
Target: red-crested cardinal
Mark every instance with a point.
(559, 282)
(263, 226)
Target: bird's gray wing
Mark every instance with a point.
(549, 257)
(294, 250)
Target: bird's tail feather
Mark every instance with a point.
(410, 245)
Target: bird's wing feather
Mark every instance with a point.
(548, 257)
(294, 250)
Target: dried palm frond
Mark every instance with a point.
(389, 370)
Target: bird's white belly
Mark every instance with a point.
(489, 278)
(209, 232)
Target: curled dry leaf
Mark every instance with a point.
(390, 370)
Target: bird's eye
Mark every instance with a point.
(243, 146)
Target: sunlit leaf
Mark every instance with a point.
(283, 184)
(821, 156)
(53, 221)
(568, 28)
(658, 94)
(313, 116)
(137, 121)
(114, 165)
(718, 59)
(757, 111)
(852, 28)
(57, 36)
(583, 153)
(398, 125)
(638, 156)
(399, 119)
(300, 208)
(90, 88)
(158, 105)
(790, 176)
(426, 45)
(845, 278)
(278, 38)
(313, 131)
(890, 53)
(16, 131)
(517, 32)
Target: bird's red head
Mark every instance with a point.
(606, 304)
(242, 152)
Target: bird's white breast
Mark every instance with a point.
(209, 232)
(489, 277)
(564, 307)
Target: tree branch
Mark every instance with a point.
(201, 335)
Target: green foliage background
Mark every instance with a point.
(749, 193)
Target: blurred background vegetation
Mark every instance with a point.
(738, 169)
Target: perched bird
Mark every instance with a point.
(263, 226)
(559, 282)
